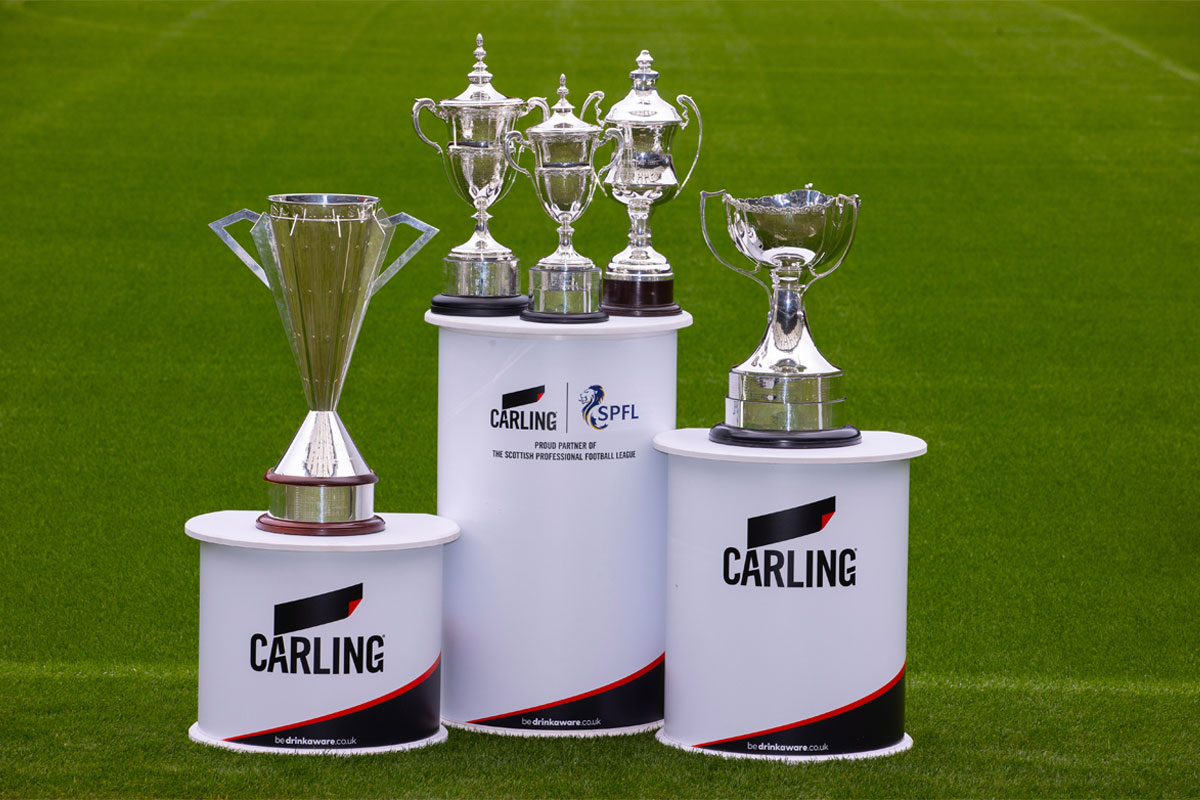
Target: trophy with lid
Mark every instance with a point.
(481, 277)
(564, 286)
(787, 394)
(639, 281)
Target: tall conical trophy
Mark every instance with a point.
(321, 256)
(787, 394)
(480, 277)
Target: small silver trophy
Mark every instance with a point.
(639, 281)
(321, 256)
(787, 394)
(564, 286)
(481, 277)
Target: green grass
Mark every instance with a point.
(1022, 294)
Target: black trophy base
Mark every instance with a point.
(529, 315)
(639, 298)
(455, 305)
(785, 440)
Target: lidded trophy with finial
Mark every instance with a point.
(481, 277)
(639, 281)
(564, 286)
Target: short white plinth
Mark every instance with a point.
(787, 576)
(320, 644)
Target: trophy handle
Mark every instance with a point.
(425, 103)
(843, 237)
(219, 228)
(536, 102)
(508, 140)
(389, 225)
(682, 99)
(750, 273)
(615, 135)
(596, 96)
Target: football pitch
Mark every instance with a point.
(1022, 293)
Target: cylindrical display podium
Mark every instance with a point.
(787, 576)
(554, 593)
(317, 644)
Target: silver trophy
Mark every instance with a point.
(639, 281)
(320, 256)
(564, 286)
(787, 394)
(481, 277)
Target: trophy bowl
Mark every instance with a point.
(786, 394)
(784, 229)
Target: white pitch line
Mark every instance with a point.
(1055, 685)
(1126, 42)
(916, 680)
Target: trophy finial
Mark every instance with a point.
(480, 74)
(644, 76)
(563, 106)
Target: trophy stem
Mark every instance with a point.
(566, 243)
(786, 321)
(639, 229)
(481, 222)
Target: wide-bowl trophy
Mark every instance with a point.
(639, 281)
(787, 394)
(564, 286)
(321, 256)
(480, 277)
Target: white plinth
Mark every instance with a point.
(319, 644)
(786, 599)
(554, 593)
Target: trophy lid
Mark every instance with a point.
(481, 92)
(642, 105)
(563, 122)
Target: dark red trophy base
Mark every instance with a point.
(352, 528)
(275, 525)
(639, 298)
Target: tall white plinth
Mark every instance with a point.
(554, 593)
(787, 577)
(320, 644)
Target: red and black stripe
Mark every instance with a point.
(636, 699)
(320, 609)
(790, 523)
(870, 723)
(408, 714)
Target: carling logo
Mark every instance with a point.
(511, 414)
(287, 653)
(598, 415)
(768, 567)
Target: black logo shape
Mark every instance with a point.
(791, 523)
(308, 612)
(522, 398)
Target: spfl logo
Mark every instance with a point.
(787, 568)
(598, 415)
(287, 653)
